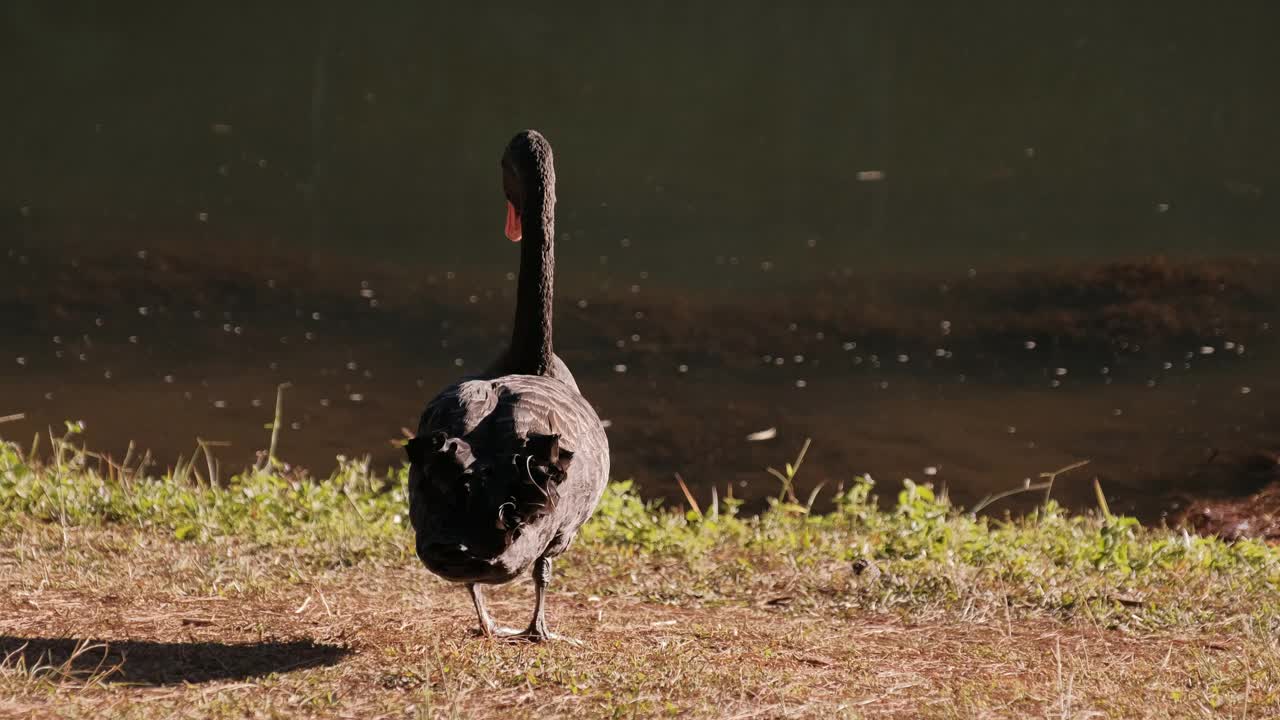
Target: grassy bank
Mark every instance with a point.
(278, 595)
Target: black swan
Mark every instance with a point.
(507, 465)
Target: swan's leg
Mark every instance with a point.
(477, 597)
(487, 627)
(541, 576)
(537, 631)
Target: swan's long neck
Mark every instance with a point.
(531, 350)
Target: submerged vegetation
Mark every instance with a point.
(1195, 617)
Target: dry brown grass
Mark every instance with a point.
(112, 622)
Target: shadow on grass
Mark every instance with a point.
(145, 662)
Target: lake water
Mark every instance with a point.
(922, 238)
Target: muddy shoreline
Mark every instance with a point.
(1156, 371)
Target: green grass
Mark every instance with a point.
(923, 564)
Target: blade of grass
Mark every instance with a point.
(272, 458)
(689, 496)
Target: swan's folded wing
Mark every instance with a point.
(458, 409)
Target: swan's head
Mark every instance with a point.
(528, 179)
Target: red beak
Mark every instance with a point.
(513, 224)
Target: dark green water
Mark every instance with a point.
(1002, 129)
(734, 153)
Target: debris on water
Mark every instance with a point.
(620, 368)
(931, 470)
(762, 435)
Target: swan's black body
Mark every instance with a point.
(507, 465)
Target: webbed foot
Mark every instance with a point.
(496, 632)
(534, 635)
